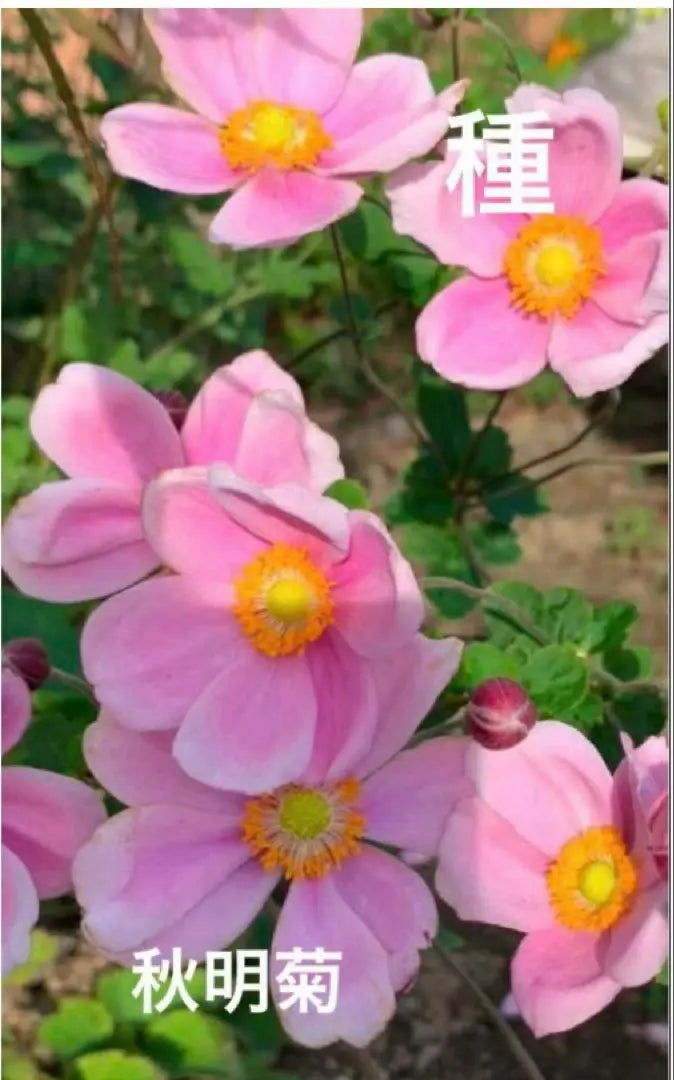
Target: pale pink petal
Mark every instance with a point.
(284, 514)
(323, 452)
(406, 923)
(378, 604)
(315, 915)
(407, 802)
(549, 787)
(387, 114)
(273, 449)
(631, 288)
(167, 149)
(594, 352)
(252, 729)
(20, 910)
(408, 682)
(557, 980)
(472, 334)
(640, 206)
(151, 651)
(423, 207)
(138, 768)
(148, 867)
(640, 790)
(488, 873)
(585, 153)
(346, 703)
(94, 422)
(274, 208)
(635, 949)
(46, 819)
(76, 540)
(191, 532)
(16, 708)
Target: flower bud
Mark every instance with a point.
(28, 658)
(175, 403)
(500, 714)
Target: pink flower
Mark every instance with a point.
(259, 647)
(190, 867)
(81, 538)
(282, 117)
(45, 820)
(551, 844)
(585, 288)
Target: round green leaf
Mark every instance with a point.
(114, 1065)
(181, 1041)
(349, 493)
(78, 1024)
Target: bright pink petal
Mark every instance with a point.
(407, 802)
(408, 682)
(314, 916)
(346, 704)
(387, 114)
(191, 532)
(635, 949)
(549, 787)
(252, 729)
(378, 605)
(16, 708)
(46, 820)
(406, 923)
(585, 153)
(472, 334)
(488, 873)
(423, 207)
(557, 980)
(76, 540)
(20, 909)
(640, 206)
(631, 289)
(275, 208)
(139, 769)
(167, 149)
(93, 422)
(594, 352)
(151, 651)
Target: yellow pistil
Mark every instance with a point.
(281, 136)
(305, 831)
(282, 601)
(592, 880)
(552, 265)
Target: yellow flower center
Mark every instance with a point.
(264, 133)
(552, 265)
(282, 601)
(592, 880)
(304, 831)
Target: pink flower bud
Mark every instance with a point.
(28, 658)
(175, 403)
(500, 714)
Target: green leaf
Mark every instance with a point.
(114, 1065)
(494, 543)
(17, 154)
(493, 455)
(503, 629)
(567, 615)
(115, 990)
(662, 978)
(43, 950)
(481, 660)
(182, 1041)
(641, 713)
(556, 679)
(368, 233)
(206, 268)
(438, 551)
(75, 337)
(424, 495)
(24, 617)
(444, 413)
(349, 493)
(610, 624)
(628, 663)
(17, 1067)
(587, 714)
(506, 499)
(53, 739)
(78, 1024)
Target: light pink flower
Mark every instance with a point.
(45, 820)
(81, 538)
(551, 844)
(190, 867)
(259, 647)
(585, 288)
(282, 117)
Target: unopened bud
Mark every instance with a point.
(176, 405)
(28, 658)
(500, 714)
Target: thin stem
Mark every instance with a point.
(517, 1048)
(453, 723)
(477, 440)
(457, 19)
(208, 317)
(73, 681)
(496, 31)
(334, 335)
(508, 607)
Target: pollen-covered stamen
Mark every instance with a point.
(265, 133)
(592, 880)
(552, 265)
(305, 831)
(282, 601)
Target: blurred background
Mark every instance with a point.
(124, 276)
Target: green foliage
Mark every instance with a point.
(114, 1065)
(43, 950)
(78, 1024)
(349, 493)
(182, 1042)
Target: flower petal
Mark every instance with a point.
(472, 334)
(20, 909)
(152, 650)
(95, 423)
(634, 285)
(16, 708)
(274, 446)
(275, 208)
(635, 949)
(75, 540)
(640, 206)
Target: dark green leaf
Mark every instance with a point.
(424, 495)
(505, 501)
(610, 624)
(24, 617)
(641, 713)
(503, 628)
(557, 680)
(567, 615)
(628, 663)
(443, 411)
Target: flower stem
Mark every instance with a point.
(73, 681)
